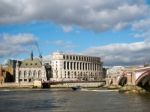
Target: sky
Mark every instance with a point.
(115, 30)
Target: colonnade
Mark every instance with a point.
(69, 65)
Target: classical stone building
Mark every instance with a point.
(70, 67)
(30, 70)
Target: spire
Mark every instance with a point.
(40, 56)
(31, 55)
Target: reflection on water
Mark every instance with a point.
(60, 100)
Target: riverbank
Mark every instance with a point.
(132, 89)
(38, 84)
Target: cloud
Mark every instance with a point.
(19, 39)
(12, 45)
(142, 29)
(67, 28)
(64, 44)
(122, 53)
(96, 15)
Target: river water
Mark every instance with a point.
(66, 100)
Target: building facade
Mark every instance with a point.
(70, 67)
(30, 70)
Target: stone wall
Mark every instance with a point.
(16, 85)
(84, 84)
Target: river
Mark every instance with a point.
(66, 100)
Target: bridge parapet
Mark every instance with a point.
(131, 74)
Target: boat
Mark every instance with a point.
(76, 88)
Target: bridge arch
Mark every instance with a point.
(122, 81)
(144, 80)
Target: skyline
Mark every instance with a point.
(117, 31)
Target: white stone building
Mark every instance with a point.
(70, 67)
(30, 70)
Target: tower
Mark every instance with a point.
(31, 55)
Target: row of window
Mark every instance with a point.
(34, 74)
(80, 58)
(79, 75)
(26, 80)
(31, 64)
(80, 66)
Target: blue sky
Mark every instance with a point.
(116, 31)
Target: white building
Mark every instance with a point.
(30, 70)
(70, 67)
(61, 67)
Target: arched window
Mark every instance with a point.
(39, 74)
(30, 75)
(34, 74)
(25, 74)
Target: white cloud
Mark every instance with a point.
(67, 28)
(96, 15)
(122, 53)
(12, 45)
(19, 39)
(142, 29)
(64, 44)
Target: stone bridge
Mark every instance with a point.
(137, 76)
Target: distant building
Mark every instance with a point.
(61, 67)
(30, 70)
(7, 71)
(67, 67)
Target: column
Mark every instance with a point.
(17, 75)
(87, 65)
(73, 65)
(83, 66)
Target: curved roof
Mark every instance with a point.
(35, 63)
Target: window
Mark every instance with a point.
(39, 74)
(75, 75)
(63, 56)
(20, 80)
(71, 65)
(74, 65)
(70, 57)
(68, 65)
(30, 74)
(25, 74)
(68, 74)
(80, 65)
(64, 65)
(34, 74)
